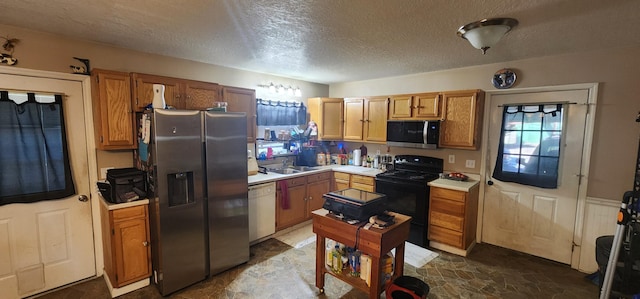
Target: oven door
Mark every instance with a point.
(411, 200)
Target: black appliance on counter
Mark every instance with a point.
(355, 204)
(408, 193)
(307, 156)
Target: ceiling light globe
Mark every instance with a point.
(486, 33)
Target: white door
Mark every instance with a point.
(48, 244)
(534, 220)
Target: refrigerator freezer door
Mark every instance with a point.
(178, 211)
(227, 193)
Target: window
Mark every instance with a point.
(280, 113)
(529, 150)
(34, 161)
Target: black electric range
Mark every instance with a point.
(405, 185)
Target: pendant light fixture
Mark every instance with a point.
(485, 33)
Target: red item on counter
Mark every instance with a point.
(269, 153)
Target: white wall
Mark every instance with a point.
(616, 132)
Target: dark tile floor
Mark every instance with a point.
(278, 270)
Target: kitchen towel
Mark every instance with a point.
(284, 194)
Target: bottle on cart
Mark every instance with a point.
(336, 264)
(329, 253)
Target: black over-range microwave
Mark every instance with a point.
(413, 133)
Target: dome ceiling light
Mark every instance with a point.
(485, 33)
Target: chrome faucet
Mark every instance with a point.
(284, 162)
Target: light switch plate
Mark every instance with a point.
(452, 159)
(470, 164)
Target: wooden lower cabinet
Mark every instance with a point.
(343, 180)
(125, 237)
(364, 183)
(452, 217)
(304, 196)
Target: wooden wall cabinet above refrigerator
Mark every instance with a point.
(365, 119)
(462, 119)
(242, 100)
(195, 95)
(418, 106)
(178, 93)
(113, 115)
(327, 113)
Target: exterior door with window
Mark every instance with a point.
(531, 219)
(48, 244)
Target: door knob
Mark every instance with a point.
(83, 198)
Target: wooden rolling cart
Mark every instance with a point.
(374, 242)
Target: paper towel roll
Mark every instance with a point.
(357, 157)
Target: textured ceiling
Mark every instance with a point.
(328, 41)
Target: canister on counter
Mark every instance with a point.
(321, 159)
(267, 134)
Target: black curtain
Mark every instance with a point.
(529, 150)
(34, 159)
(280, 113)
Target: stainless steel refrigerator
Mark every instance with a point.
(197, 180)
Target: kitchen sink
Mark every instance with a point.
(290, 169)
(302, 168)
(284, 170)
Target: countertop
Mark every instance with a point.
(442, 183)
(115, 206)
(465, 186)
(272, 176)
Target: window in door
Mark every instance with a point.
(529, 149)
(34, 160)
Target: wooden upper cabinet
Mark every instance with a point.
(353, 119)
(427, 105)
(462, 119)
(142, 91)
(366, 119)
(375, 119)
(400, 106)
(112, 111)
(419, 106)
(327, 113)
(178, 93)
(242, 100)
(200, 95)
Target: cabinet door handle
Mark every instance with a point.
(310, 198)
(145, 243)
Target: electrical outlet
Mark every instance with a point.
(452, 159)
(470, 164)
(103, 172)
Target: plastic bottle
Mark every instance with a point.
(336, 265)
(329, 253)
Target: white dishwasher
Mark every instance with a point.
(262, 210)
